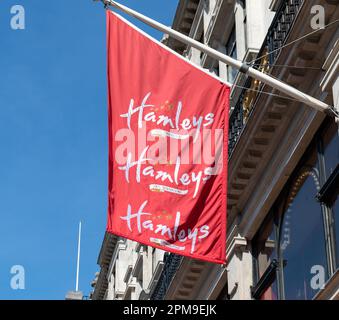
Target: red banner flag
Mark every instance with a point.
(168, 138)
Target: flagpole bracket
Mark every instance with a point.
(244, 68)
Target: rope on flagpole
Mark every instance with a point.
(243, 67)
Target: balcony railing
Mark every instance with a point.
(172, 263)
(276, 37)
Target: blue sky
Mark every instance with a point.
(53, 141)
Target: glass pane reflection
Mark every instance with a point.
(302, 242)
(336, 217)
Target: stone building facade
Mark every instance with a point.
(283, 212)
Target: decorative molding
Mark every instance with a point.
(128, 273)
(237, 245)
(137, 269)
(121, 245)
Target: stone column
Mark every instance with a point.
(239, 269)
(110, 289)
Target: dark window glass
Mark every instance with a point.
(266, 246)
(265, 250)
(302, 235)
(216, 69)
(331, 156)
(301, 251)
(336, 217)
(231, 50)
(331, 152)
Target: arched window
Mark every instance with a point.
(296, 249)
(302, 237)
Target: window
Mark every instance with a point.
(331, 150)
(266, 248)
(290, 247)
(335, 210)
(265, 262)
(329, 192)
(302, 237)
(231, 50)
(216, 69)
(243, 4)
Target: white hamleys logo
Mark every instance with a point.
(172, 234)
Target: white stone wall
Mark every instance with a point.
(259, 18)
(122, 282)
(251, 22)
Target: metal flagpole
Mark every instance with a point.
(242, 67)
(78, 260)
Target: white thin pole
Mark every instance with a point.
(78, 260)
(256, 74)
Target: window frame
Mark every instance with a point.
(274, 271)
